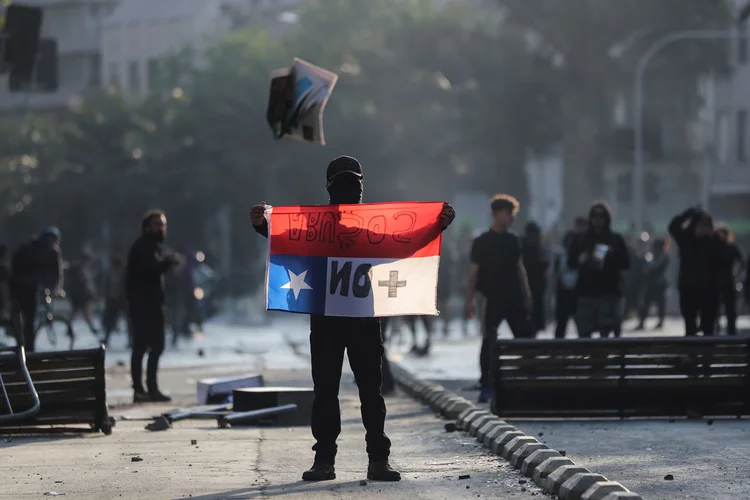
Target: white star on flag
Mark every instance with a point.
(297, 283)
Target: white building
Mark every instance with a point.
(140, 33)
(76, 24)
(728, 114)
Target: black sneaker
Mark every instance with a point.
(320, 471)
(141, 397)
(158, 397)
(382, 471)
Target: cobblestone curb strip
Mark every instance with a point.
(551, 471)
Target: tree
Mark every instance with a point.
(595, 46)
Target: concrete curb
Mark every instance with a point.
(551, 471)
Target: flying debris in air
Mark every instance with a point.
(297, 99)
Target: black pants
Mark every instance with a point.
(703, 302)
(565, 309)
(492, 313)
(538, 320)
(361, 338)
(728, 297)
(24, 314)
(147, 323)
(655, 294)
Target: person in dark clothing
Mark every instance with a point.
(144, 287)
(361, 338)
(731, 264)
(115, 302)
(634, 279)
(35, 266)
(601, 257)
(657, 265)
(81, 290)
(536, 262)
(565, 289)
(701, 254)
(497, 277)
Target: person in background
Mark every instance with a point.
(498, 283)
(601, 257)
(82, 291)
(731, 266)
(565, 288)
(702, 253)
(634, 278)
(657, 265)
(115, 302)
(144, 287)
(35, 266)
(536, 262)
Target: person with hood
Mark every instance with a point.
(657, 265)
(361, 338)
(702, 253)
(536, 262)
(35, 266)
(601, 257)
(731, 265)
(144, 285)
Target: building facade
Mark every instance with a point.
(76, 25)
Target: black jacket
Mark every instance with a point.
(144, 281)
(607, 280)
(700, 258)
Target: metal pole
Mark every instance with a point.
(655, 47)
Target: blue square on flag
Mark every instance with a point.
(297, 283)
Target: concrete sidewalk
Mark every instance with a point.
(245, 463)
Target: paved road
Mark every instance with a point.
(249, 463)
(707, 462)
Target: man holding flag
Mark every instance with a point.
(347, 266)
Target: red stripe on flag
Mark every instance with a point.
(377, 230)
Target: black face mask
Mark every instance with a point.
(346, 189)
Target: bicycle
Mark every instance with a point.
(48, 322)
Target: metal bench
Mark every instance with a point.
(622, 377)
(66, 387)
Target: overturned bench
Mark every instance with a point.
(622, 377)
(70, 387)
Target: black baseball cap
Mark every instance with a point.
(341, 165)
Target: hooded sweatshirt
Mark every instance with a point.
(602, 281)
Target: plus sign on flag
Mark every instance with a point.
(368, 260)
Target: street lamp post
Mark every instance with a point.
(643, 62)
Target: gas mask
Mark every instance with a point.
(345, 189)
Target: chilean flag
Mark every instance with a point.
(366, 260)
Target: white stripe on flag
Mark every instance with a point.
(381, 287)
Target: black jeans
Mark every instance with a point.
(24, 313)
(699, 301)
(361, 338)
(492, 312)
(147, 323)
(728, 297)
(565, 309)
